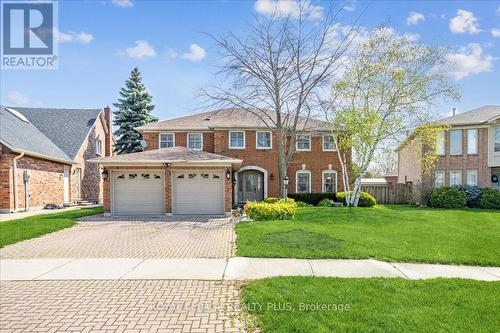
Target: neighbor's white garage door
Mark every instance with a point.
(138, 192)
(198, 192)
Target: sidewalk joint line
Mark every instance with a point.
(309, 261)
(140, 262)
(404, 275)
(53, 269)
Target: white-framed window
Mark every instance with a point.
(237, 139)
(440, 144)
(328, 142)
(455, 177)
(303, 181)
(263, 139)
(497, 140)
(98, 146)
(167, 140)
(439, 178)
(303, 142)
(472, 141)
(471, 177)
(195, 141)
(456, 142)
(329, 181)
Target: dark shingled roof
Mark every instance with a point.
(17, 134)
(473, 117)
(67, 128)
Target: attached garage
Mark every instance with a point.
(138, 192)
(198, 192)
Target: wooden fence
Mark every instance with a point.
(390, 193)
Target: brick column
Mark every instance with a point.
(6, 190)
(168, 190)
(228, 192)
(106, 193)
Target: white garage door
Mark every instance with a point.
(198, 192)
(138, 192)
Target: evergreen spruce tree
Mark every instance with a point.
(134, 109)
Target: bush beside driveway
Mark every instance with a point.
(390, 233)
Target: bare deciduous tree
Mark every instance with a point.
(276, 71)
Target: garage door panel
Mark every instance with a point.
(198, 192)
(138, 192)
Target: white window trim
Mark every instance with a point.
(323, 143)
(323, 180)
(461, 177)
(461, 143)
(297, 183)
(98, 146)
(476, 148)
(159, 138)
(244, 140)
(470, 171)
(443, 173)
(297, 141)
(257, 140)
(201, 134)
(441, 137)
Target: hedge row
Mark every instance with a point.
(365, 199)
(464, 196)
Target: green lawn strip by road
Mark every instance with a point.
(391, 233)
(34, 226)
(308, 304)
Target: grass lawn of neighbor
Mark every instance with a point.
(308, 304)
(18, 230)
(385, 232)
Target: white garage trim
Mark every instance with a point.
(250, 167)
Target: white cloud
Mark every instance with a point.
(498, 10)
(412, 37)
(74, 37)
(196, 53)
(464, 22)
(495, 32)
(142, 49)
(285, 8)
(171, 54)
(17, 98)
(350, 6)
(123, 3)
(469, 60)
(414, 18)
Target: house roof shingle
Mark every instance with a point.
(66, 128)
(166, 155)
(23, 136)
(226, 118)
(480, 115)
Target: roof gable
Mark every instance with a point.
(480, 115)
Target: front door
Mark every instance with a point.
(250, 186)
(78, 184)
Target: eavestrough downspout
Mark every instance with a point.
(14, 176)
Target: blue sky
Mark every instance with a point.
(167, 40)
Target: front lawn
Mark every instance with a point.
(391, 233)
(307, 304)
(18, 230)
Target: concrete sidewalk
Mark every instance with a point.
(21, 215)
(237, 268)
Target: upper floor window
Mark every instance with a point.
(303, 142)
(98, 147)
(472, 141)
(195, 141)
(264, 139)
(328, 142)
(329, 181)
(439, 178)
(471, 177)
(456, 142)
(303, 181)
(497, 139)
(167, 140)
(455, 177)
(237, 139)
(440, 144)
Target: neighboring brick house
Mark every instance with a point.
(230, 143)
(469, 152)
(51, 148)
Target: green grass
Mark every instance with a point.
(375, 305)
(18, 230)
(391, 233)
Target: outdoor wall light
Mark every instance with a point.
(105, 174)
(285, 181)
(228, 174)
(271, 177)
(167, 165)
(234, 181)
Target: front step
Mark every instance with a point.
(70, 204)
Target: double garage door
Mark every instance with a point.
(193, 192)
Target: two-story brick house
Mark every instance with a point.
(468, 153)
(44, 154)
(208, 162)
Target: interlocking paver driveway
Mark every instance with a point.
(120, 306)
(146, 237)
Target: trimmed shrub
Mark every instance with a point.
(312, 198)
(447, 197)
(472, 193)
(365, 199)
(325, 203)
(489, 198)
(272, 199)
(303, 204)
(280, 210)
